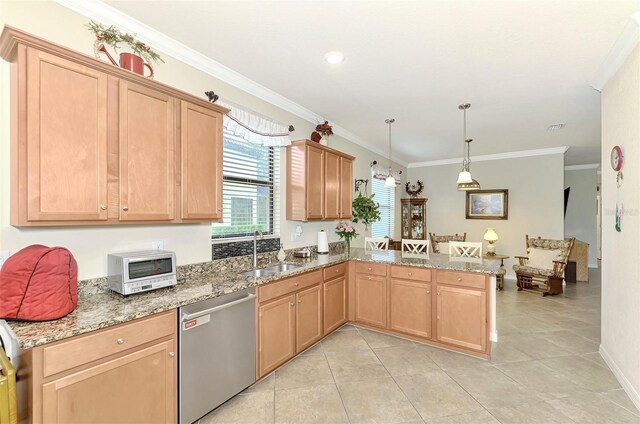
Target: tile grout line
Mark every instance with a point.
(335, 382)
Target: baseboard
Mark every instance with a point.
(626, 385)
(493, 336)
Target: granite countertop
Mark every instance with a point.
(103, 308)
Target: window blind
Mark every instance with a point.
(250, 189)
(386, 197)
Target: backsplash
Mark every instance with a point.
(240, 248)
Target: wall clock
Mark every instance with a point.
(616, 158)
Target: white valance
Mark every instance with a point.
(254, 127)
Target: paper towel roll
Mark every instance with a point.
(323, 243)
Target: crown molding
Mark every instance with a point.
(497, 156)
(623, 46)
(579, 167)
(99, 11)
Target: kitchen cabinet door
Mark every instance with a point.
(147, 154)
(332, 186)
(371, 300)
(66, 142)
(138, 387)
(335, 304)
(309, 325)
(315, 183)
(462, 317)
(410, 307)
(201, 162)
(346, 188)
(276, 333)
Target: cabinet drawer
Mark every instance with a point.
(84, 349)
(371, 268)
(410, 273)
(288, 285)
(464, 279)
(335, 271)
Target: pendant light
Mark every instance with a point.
(465, 182)
(390, 181)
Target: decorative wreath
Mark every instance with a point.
(414, 190)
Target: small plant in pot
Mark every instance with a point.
(322, 130)
(140, 56)
(365, 210)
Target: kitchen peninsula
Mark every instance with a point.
(435, 301)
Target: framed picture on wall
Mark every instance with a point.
(487, 204)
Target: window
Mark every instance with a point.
(250, 189)
(386, 197)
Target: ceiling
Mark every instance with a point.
(523, 65)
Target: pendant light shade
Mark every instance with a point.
(465, 181)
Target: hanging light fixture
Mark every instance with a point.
(465, 182)
(390, 181)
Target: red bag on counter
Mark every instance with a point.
(38, 283)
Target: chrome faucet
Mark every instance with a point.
(255, 247)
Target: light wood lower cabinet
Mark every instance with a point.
(371, 300)
(462, 317)
(309, 325)
(133, 388)
(276, 333)
(410, 307)
(335, 303)
(132, 379)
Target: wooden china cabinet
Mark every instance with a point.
(414, 218)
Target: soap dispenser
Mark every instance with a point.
(281, 255)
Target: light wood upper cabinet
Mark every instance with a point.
(346, 187)
(61, 171)
(95, 144)
(309, 325)
(147, 153)
(462, 317)
(332, 174)
(201, 162)
(319, 181)
(315, 182)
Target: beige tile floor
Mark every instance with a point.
(545, 369)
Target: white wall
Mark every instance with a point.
(536, 200)
(90, 245)
(580, 220)
(620, 343)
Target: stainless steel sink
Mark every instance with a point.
(282, 267)
(275, 269)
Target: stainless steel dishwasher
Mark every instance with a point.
(217, 352)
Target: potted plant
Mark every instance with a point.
(365, 210)
(141, 55)
(322, 130)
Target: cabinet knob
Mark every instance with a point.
(172, 354)
(438, 293)
(103, 207)
(459, 278)
(368, 278)
(336, 271)
(300, 301)
(369, 268)
(291, 303)
(410, 274)
(296, 284)
(125, 208)
(428, 291)
(120, 341)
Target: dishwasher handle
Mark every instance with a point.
(188, 317)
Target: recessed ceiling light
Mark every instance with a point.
(555, 127)
(334, 58)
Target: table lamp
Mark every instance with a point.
(491, 236)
